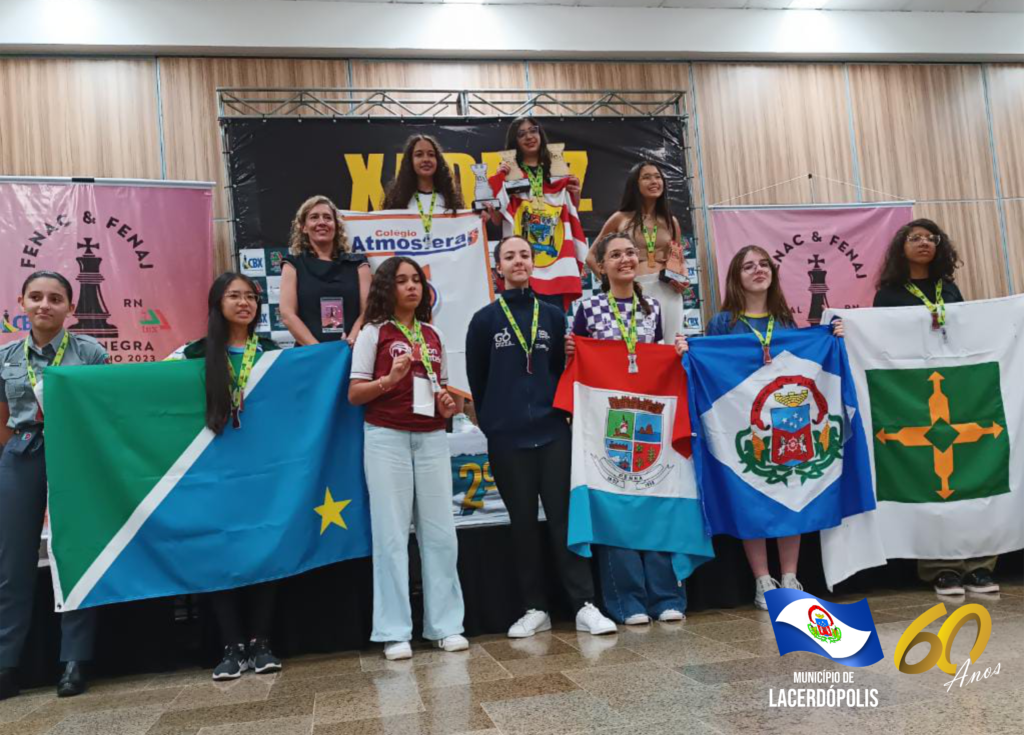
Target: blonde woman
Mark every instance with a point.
(323, 285)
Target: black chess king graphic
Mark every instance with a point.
(818, 290)
(91, 311)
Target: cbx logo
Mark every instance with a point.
(252, 262)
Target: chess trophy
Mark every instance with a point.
(515, 180)
(482, 194)
(675, 265)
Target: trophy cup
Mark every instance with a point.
(515, 180)
(558, 165)
(482, 194)
(675, 265)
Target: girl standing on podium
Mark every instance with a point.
(636, 585)
(400, 373)
(645, 214)
(424, 182)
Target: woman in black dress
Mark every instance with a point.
(323, 285)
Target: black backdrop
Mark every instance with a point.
(275, 164)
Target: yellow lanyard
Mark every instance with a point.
(415, 337)
(937, 308)
(764, 339)
(427, 218)
(56, 360)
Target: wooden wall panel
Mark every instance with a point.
(974, 229)
(1015, 232)
(1006, 98)
(922, 132)
(79, 117)
(188, 91)
(452, 75)
(762, 124)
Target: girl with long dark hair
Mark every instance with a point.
(646, 215)
(231, 348)
(46, 297)
(919, 269)
(636, 585)
(400, 373)
(424, 182)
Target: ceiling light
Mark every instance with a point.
(807, 4)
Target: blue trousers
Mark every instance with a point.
(635, 582)
(409, 479)
(22, 507)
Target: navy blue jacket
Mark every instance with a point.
(513, 406)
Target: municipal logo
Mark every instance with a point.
(844, 633)
(792, 436)
(940, 433)
(633, 441)
(541, 225)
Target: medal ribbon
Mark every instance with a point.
(764, 339)
(56, 360)
(650, 237)
(518, 332)
(536, 177)
(427, 218)
(938, 308)
(238, 383)
(629, 336)
(415, 337)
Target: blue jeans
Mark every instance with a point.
(409, 478)
(638, 582)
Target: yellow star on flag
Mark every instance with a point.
(330, 512)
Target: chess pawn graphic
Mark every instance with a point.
(818, 290)
(91, 311)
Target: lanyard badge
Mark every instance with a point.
(629, 335)
(765, 339)
(238, 383)
(528, 349)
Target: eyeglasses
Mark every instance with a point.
(523, 132)
(751, 267)
(241, 296)
(620, 254)
(924, 238)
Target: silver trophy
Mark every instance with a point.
(482, 194)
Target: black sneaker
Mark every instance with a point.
(235, 663)
(980, 581)
(261, 659)
(948, 583)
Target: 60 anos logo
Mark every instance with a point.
(941, 644)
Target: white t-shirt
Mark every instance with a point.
(439, 204)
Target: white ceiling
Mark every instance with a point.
(934, 6)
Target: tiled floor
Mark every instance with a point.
(712, 673)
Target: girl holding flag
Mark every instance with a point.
(399, 372)
(636, 585)
(645, 214)
(754, 304)
(544, 212)
(231, 348)
(528, 441)
(424, 181)
(919, 268)
(47, 299)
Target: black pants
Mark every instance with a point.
(234, 607)
(523, 476)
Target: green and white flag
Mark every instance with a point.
(944, 413)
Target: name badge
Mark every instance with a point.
(422, 397)
(332, 315)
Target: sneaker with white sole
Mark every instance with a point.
(535, 621)
(670, 616)
(948, 582)
(790, 582)
(452, 643)
(638, 619)
(762, 585)
(234, 664)
(590, 620)
(397, 650)
(261, 659)
(979, 582)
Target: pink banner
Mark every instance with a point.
(139, 258)
(826, 257)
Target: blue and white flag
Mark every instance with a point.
(844, 633)
(779, 448)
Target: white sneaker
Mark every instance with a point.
(535, 621)
(452, 643)
(790, 582)
(671, 616)
(638, 619)
(762, 585)
(590, 620)
(397, 651)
